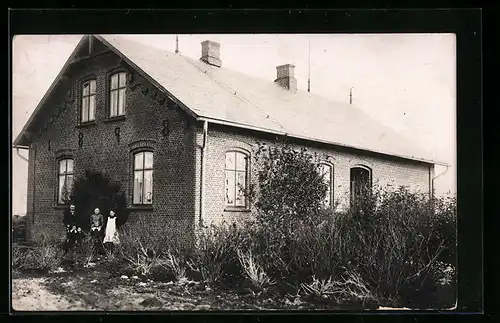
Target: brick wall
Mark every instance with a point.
(385, 170)
(173, 190)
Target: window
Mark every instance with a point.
(143, 178)
(117, 94)
(361, 182)
(88, 101)
(65, 180)
(325, 170)
(236, 178)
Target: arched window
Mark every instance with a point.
(326, 171)
(361, 181)
(236, 170)
(117, 85)
(65, 180)
(87, 112)
(143, 178)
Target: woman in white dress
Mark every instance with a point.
(111, 234)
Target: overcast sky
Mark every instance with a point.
(407, 81)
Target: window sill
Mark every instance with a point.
(86, 124)
(236, 209)
(140, 208)
(114, 119)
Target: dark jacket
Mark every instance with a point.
(71, 220)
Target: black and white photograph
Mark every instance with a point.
(234, 172)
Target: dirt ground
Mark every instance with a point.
(30, 294)
(96, 291)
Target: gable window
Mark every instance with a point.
(65, 180)
(143, 178)
(361, 182)
(88, 101)
(236, 178)
(326, 172)
(117, 94)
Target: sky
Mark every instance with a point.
(406, 81)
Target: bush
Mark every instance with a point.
(93, 190)
(215, 254)
(18, 258)
(18, 228)
(47, 255)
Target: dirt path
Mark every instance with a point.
(30, 294)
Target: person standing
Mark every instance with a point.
(111, 234)
(73, 227)
(96, 222)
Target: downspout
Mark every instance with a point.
(435, 177)
(202, 184)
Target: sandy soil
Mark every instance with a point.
(30, 294)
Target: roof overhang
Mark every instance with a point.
(280, 133)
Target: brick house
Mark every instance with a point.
(178, 135)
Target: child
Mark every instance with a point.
(111, 234)
(96, 222)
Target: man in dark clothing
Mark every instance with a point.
(73, 227)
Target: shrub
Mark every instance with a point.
(86, 250)
(175, 264)
(215, 253)
(144, 262)
(290, 187)
(18, 258)
(45, 256)
(393, 243)
(93, 190)
(18, 228)
(254, 272)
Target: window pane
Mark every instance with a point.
(92, 87)
(114, 81)
(148, 160)
(85, 109)
(121, 102)
(62, 166)
(230, 162)
(85, 88)
(69, 183)
(92, 107)
(113, 111)
(123, 79)
(241, 161)
(61, 188)
(230, 187)
(148, 187)
(240, 188)
(69, 169)
(139, 161)
(137, 198)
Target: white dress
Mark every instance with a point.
(111, 234)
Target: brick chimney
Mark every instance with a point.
(210, 53)
(286, 77)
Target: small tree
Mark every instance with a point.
(290, 187)
(95, 190)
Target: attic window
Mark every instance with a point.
(118, 83)
(88, 101)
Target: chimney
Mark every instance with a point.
(210, 53)
(286, 77)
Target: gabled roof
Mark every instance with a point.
(221, 95)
